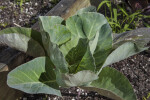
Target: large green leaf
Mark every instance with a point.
(51, 48)
(81, 78)
(124, 51)
(52, 25)
(23, 39)
(58, 59)
(74, 24)
(36, 76)
(48, 22)
(111, 83)
(104, 45)
(82, 25)
(66, 47)
(87, 62)
(87, 9)
(59, 34)
(85, 25)
(75, 55)
(91, 23)
(80, 57)
(139, 36)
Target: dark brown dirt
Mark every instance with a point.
(12, 14)
(137, 70)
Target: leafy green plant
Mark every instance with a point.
(75, 52)
(2, 7)
(20, 3)
(4, 24)
(120, 19)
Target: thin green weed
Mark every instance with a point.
(120, 19)
(147, 98)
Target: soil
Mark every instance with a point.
(135, 68)
(12, 14)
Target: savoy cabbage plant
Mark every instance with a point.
(73, 53)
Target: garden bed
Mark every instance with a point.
(135, 68)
